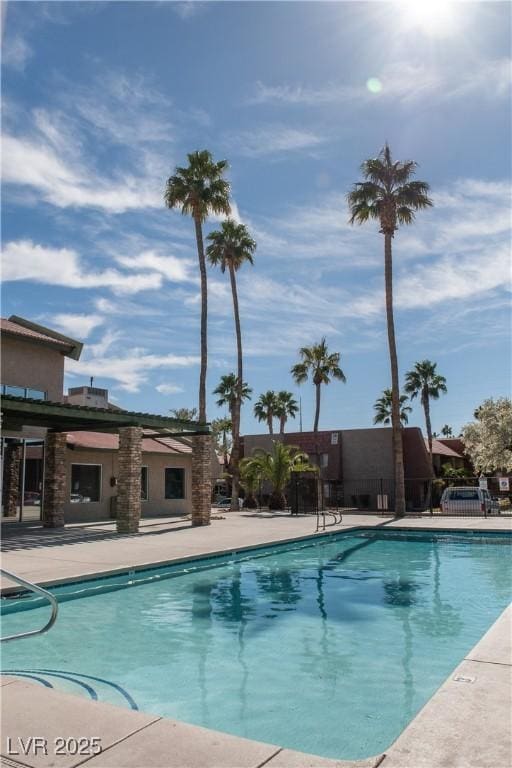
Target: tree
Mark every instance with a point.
(447, 431)
(249, 475)
(389, 196)
(265, 409)
(200, 190)
(276, 467)
(383, 407)
(488, 440)
(221, 430)
(230, 248)
(424, 381)
(228, 393)
(286, 407)
(184, 414)
(321, 365)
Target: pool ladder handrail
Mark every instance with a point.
(40, 591)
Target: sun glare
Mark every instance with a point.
(433, 17)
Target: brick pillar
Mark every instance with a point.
(11, 479)
(201, 479)
(128, 483)
(54, 496)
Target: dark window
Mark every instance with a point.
(85, 482)
(468, 495)
(144, 483)
(174, 483)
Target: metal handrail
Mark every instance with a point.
(40, 591)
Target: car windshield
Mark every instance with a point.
(464, 495)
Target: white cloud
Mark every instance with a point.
(131, 370)
(402, 81)
(273, 139)
(187, 9)
(78, 326)
(64, 184)
(25, 260)
(16, 52)
(169, 389)
(172, 268)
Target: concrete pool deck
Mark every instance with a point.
(466, 724)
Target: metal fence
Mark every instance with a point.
(446, 497)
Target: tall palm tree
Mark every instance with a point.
(321, 365)
(389, 196)
(276, 467)
(286, 407)
(383, 406)
(447, 431)
(199, 190)
(230, 393)
(230, 248)
(265, 409)
(424, 381)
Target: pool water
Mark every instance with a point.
(329, 646)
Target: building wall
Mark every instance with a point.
(25, 364)
(367, 453)
(156, 503)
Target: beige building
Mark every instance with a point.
(58, 467)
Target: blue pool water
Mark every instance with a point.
(329, 646)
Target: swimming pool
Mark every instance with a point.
(329, 645)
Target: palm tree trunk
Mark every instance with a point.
(270, 424)
(426, 408)
(204, 320)
(235, 451)
(317, 412)
(398, 452)
(282, 422)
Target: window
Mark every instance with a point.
(174, 483)
(334, 438)
(144, 483)
(324, 460)
(33, 394)
(85, 483)
(463, 495)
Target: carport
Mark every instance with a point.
(58, 419)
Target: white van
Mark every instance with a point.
(468, 500)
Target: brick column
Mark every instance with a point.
(11, 479)
(54, 496)
(128, 483)
(201, 479)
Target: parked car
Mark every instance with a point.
(468, 500)
(225, 503)
(31, 498)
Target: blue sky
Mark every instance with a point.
(102, 100)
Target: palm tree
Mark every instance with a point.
(265, 409)
(184, 414)
(389, 196)
(221, 428)
(447, 431)
(231, 394)
(230, 247)
(250, 477)
(321, 365)
(424, 381)
(383, 407)
(276, 467)
(286, 407)
(199, 190)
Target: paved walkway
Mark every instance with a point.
(48, 556)
(466, 724)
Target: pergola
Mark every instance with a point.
(60, 418)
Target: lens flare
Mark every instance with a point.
(374, 85)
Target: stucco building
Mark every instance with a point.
(76, 457)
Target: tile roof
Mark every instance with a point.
(7, 326)
(440, 449)
(110, 442)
